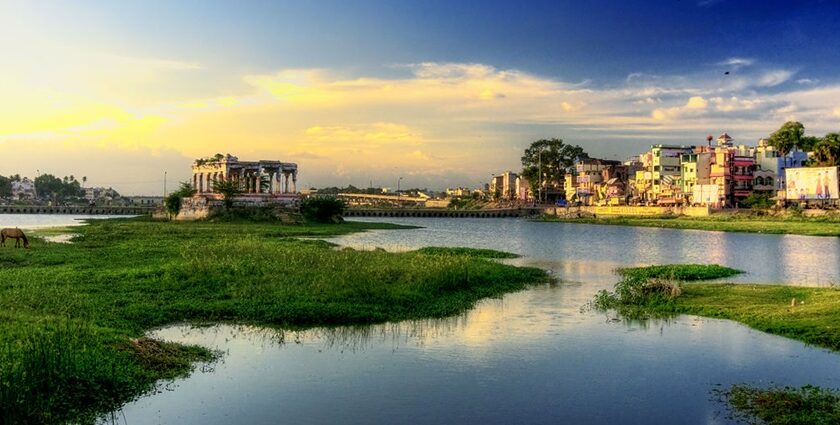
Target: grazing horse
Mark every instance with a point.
(15, 234)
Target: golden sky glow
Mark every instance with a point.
(123, 115)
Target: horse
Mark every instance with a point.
(15, 234)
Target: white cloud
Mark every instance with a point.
(736, 62)
(774, 78)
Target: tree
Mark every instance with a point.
(173, 200)
(827, 150)
(322, 209)
(549, 158)
(229, 189)
(5, 187)
(787, 137)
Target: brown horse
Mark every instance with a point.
(15, 234)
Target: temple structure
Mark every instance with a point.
(256, 178)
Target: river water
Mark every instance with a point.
(535, 356)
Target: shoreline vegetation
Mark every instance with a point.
(810, 315)
(742, 223)
(73, 316)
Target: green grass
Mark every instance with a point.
(808, 405)
(71, 314)
(683, 272)
(471, 252)
(746, 224)
(813, 318)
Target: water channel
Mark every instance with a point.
(534, 356)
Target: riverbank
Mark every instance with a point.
(809, 226)
(72, 316)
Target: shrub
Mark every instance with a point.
(322, 209)
(173, 200)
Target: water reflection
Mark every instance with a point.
(530, 357)
(789, 259)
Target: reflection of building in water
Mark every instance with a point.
(266, 178)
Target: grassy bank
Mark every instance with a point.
(72, 316)
(736, 223)
(811, 315)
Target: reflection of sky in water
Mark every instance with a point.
(766, 258)
(536, 356)
(38, 221)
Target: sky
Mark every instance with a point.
(440, 93)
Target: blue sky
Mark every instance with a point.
(421, 86)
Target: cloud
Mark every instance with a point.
(807, 81)
(774, 78)
(736, 62)
(432, 120)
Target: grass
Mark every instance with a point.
(73, 316)
(683, 272)
(817, 226)
(809, 405)
(471, 252)
(811, 315)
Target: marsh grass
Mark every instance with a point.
(74, 315)
(471, 252)
(680, 272)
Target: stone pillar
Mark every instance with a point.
(286, 183)
(294, 181)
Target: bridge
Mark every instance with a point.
(441, 213)
(76, 210)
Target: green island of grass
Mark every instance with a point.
(811, 315)
(73, 316)
(817, 226)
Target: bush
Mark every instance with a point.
(322, 209)
(173, 200)
(758, 201)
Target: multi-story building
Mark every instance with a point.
(666, 172)
(732, 171)
(695, 170)
(504, 186)
(769, 160)
(588, 183)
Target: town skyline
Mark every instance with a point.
(99, 92)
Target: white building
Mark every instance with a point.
(24, 189)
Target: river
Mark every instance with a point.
(537, 356)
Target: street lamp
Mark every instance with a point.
(398, 184)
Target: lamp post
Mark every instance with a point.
(398, 184)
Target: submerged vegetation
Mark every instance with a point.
(73, 316)
(809, 405)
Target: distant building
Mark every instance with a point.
(94, 194)
(256, 178)
(504, 185)
(458, 192)
(24, 189)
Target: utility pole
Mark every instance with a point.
(539, 170)
(398, 184)
(164, 184)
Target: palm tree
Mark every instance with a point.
(827, 150)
